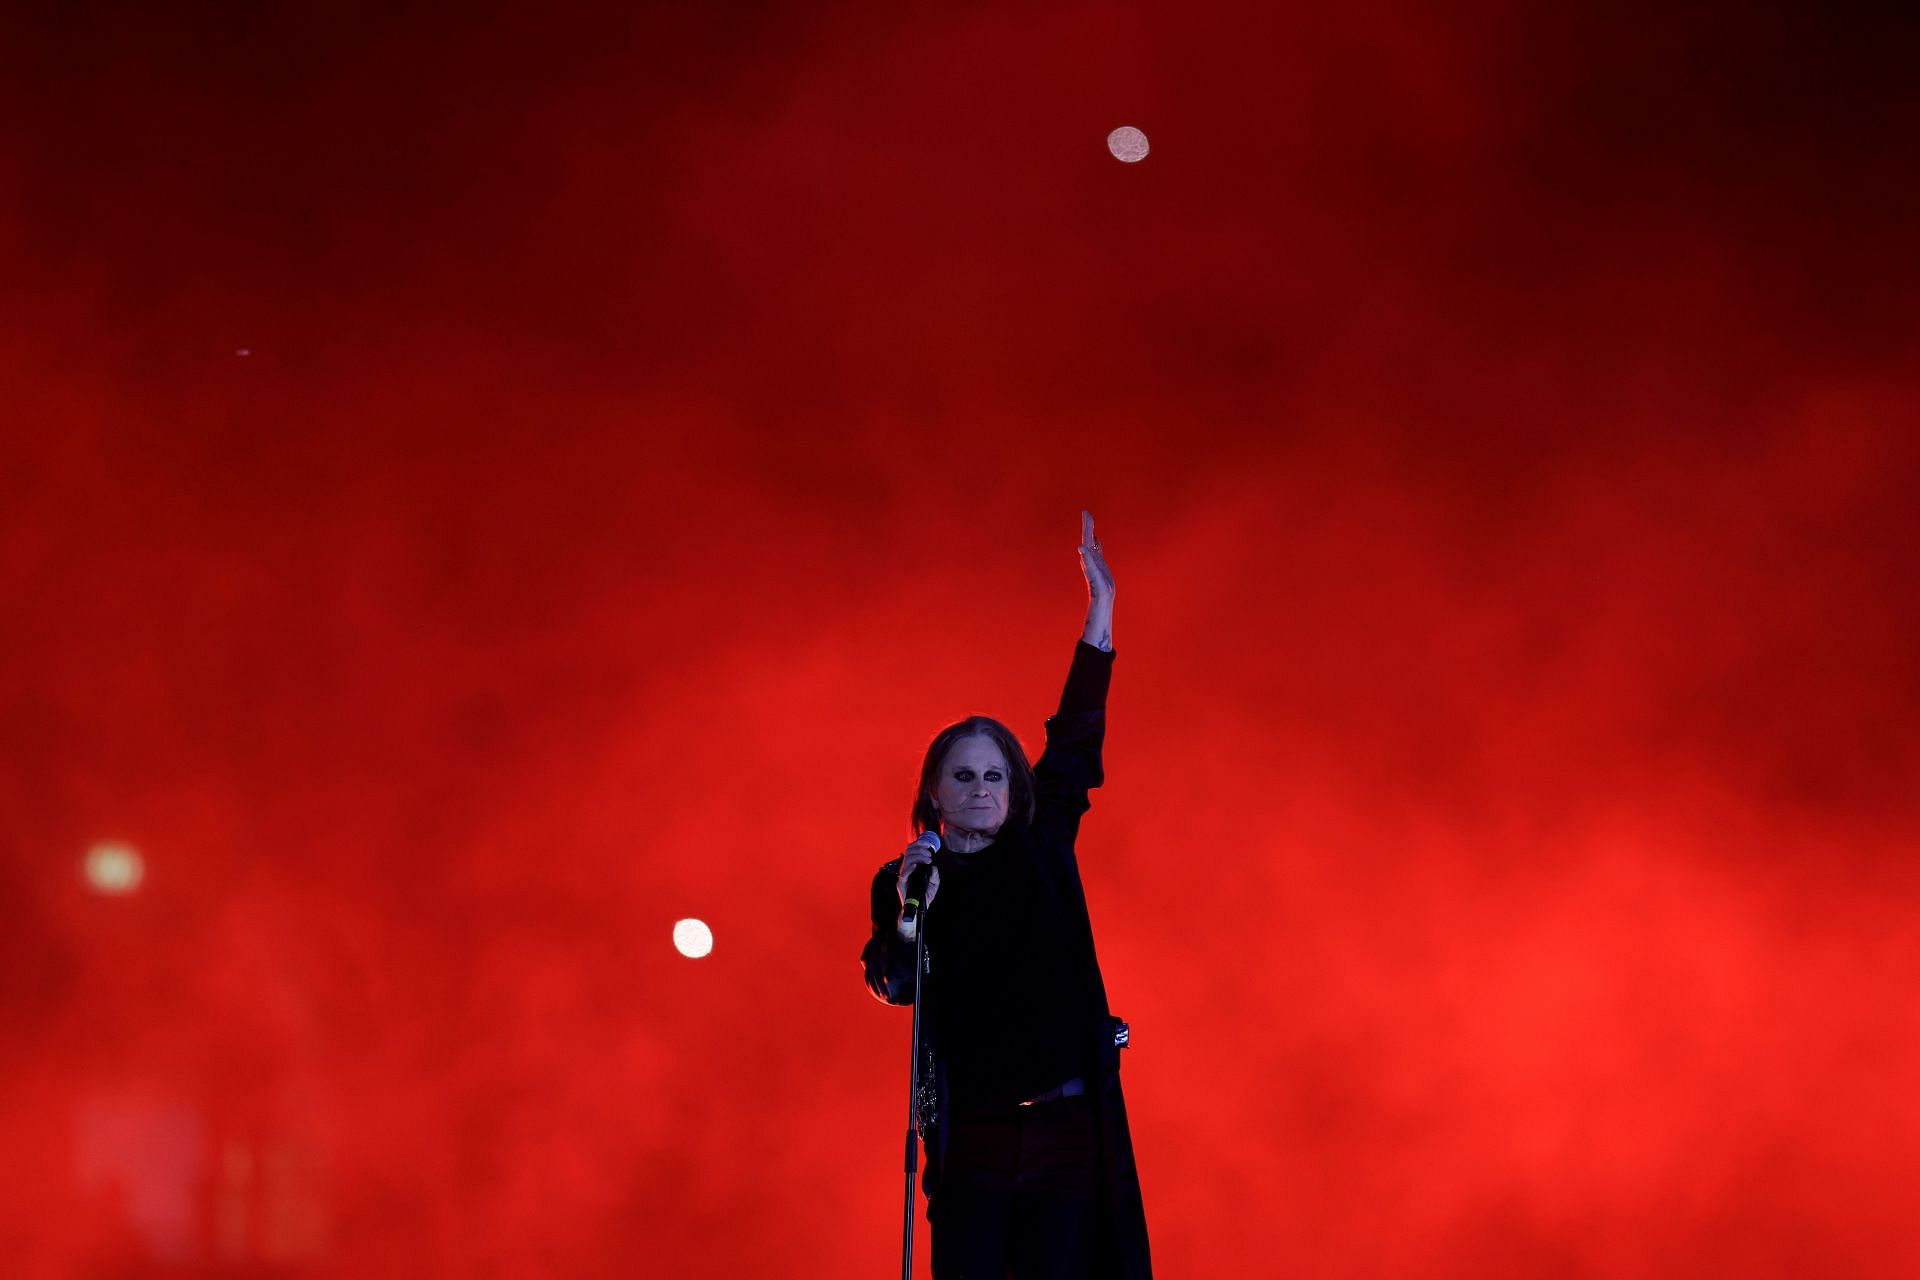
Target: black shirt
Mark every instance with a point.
(1012, 1011)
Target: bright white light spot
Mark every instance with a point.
(1128, 144)
(692, 938)
(115, 868)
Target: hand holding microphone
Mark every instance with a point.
(919, 881)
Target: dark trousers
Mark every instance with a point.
(1018, 1194)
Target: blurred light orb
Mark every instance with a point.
(692, 938)
(114, 868)
(1128, 144)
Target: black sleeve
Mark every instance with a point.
(1070, 766)
(887, 959)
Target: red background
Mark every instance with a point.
(655, 423)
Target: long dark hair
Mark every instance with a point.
(1019, 781)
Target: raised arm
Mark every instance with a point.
(1070, 766)
(1093, 563)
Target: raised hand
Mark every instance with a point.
(1100, 588)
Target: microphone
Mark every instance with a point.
(917, 889)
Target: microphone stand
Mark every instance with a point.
(913, 1097)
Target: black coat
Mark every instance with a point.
(1066, 771)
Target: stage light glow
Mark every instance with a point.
(692, 938)
(114, 868)
(1128, 144)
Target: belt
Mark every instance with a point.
(1071, 1089)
